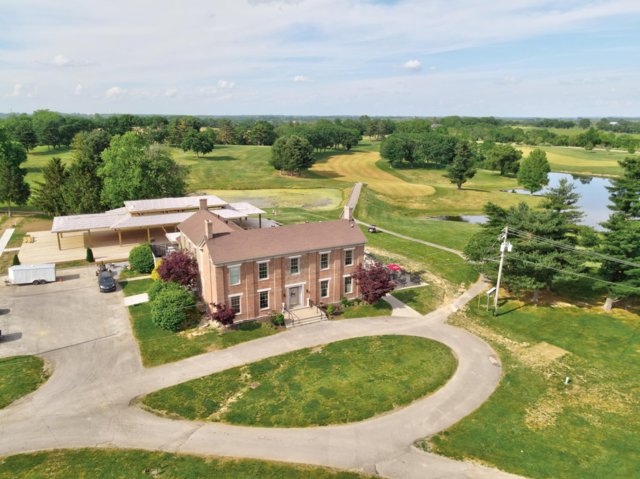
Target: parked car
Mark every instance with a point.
(32, 274)
(106, 283)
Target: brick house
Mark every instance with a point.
(256, 271)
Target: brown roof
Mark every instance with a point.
(194, 226)
(284, 240)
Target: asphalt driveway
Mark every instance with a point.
(35, 319)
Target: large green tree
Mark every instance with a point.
(534, 171)
(21, 129)
(504, 158)
(134, 170)
(48, 127)
(83, 186)
(292, 154)
(563, 199)
(200, 142)
(49, 194)
(622, 234)
(13, 187)
(462, 168)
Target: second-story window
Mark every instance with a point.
(263, 270)
(324, 260)
(234, 275)
(294, 265)
(348, 257)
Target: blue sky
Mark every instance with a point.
(322, 57)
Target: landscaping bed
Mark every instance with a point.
(136, 464)
(341, 382)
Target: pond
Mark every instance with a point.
(594, 199)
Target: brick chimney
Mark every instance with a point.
(208, 225)
(203, 203)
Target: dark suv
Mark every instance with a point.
(106, 282)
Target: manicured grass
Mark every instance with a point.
(276, 198)
(581, 161)
(135, 464)
(20, 375)
(446, 265)
(38, 158)
(364, 310)
(139, 286)
(74, 263)
(423, 299)
(130, 273)
(6, 260)
(158, 346)
(534, 424)
(341, 382)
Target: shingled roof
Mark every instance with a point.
(194, 226)
(246, 245)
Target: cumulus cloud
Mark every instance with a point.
(413, 65)
(61, 61)
(78, 89)
(225, 84)
(114, 92)
(301, 79)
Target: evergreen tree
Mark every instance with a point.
(534, 171)
(563, 200)
(13, 187)
(622, 233)
(49, 195)
(461, 168)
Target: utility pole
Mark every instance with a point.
(505, 247)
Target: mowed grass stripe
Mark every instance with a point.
(361, 166)
(341, 382)
(581, 161)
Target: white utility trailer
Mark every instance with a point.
(32, 274)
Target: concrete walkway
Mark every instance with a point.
(136, 299)
(89, 401)
(5, 238)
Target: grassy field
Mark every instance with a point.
(20, 375)
(341, 382)
(423, 299)
(38, 158)
(364, 310)
(139, 286)
(134, 464)
(534, 424)
(581, 161)
(322, 199)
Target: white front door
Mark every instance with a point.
(294, 297)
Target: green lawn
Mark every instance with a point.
(136, 464)
(536, 426)
(159, 346)
(38, 158)
(423, 299)
(20, 375)
(341, 382)
(414, 255)
(364, 310)
(581, 161)
(139, 286)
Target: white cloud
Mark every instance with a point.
(78, 89)
(18, 88)
(226, 84)
(114, 92)
(61, 61)
(413, 65)
(170, 92)
(301, 79)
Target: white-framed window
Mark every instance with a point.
(348, 285)
(234, 303)
(234, 274)
(264, 299)
(348, 257)
(263, 270)
(294, 265)
(324, 288)
(324, 260)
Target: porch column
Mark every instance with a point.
(120, 237)
(149, 235)
(58, 236)
(89, 238)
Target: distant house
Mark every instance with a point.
(256, 271)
